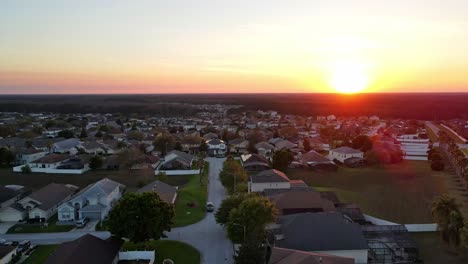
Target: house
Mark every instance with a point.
(191, 144)
(216, 148)
(93, 147)
(343, 153)
(284, 144)
(323, 233)
(27, 155)
(269, 179)
(66, 146)
(265, 149)
(255, 162)
(210, 136)
(290, 256)
(176, 160)
(9, 211)
(93, 202)
(43, 203)
(318, 143)
(165, 191)
(314, 160)
(297, 201)
(239, 146)
(50, 161)
(58, 163)
(87, 249)
(7, 253)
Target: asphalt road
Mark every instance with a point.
(207, 236)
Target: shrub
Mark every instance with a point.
(437, 165)
(26, 169)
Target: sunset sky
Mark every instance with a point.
(225, 46)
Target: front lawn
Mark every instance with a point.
(36, 228)
(434, 251)
(40, 254)
(168, 249)
(400, 193)
(191, 200)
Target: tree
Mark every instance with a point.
(464, 234)
(162, 176)
(251, 251)
(233, 201)
(135, 134)
(83, 133)
(26, 169)
(95, 162)
(362, 142)
(232, 174)
(437, 165)
(446, 214)
(306, 144)
(282, 159)
(164, 143)
(203, 147)
(66, 134)
(6, 156)
(99, 134)
(253, 214)
(145, 215)
(178, 146)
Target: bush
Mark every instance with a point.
(437, 165)
(26, 169)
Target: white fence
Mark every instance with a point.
(177, 172)
(51, 170)
(137, 255)
(415, 158)
(411, 227)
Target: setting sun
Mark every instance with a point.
(349, 77)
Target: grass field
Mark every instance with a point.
(434, 251)
(191, 193)
(51, 227)
(168, 249)
(401, 192)
(40, 254)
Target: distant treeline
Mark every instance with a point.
(411, 106)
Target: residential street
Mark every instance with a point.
(207, 236)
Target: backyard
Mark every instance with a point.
(400, 193)
(168, 249)
(191, 200)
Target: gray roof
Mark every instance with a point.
(165, 191)
(7, 194)
(237, 141)
(314, 157)
(289, 256)
(215, 142)
(269, 176)
(264, 145)
(13, 142)
(52, 195)
(346, 150)
(319, 232)
(67, 143)
(182, 155)
(103, 188)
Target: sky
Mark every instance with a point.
(224, 46)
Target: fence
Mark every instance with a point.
(51, 170)
(177, 172)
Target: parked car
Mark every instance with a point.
(82, 222)
(10, 243)
(209, 207)
(23, 246)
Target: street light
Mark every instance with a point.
(242, 226)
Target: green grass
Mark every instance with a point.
(191, 193)
(434, 251)
(40, 254)
(30, 228)
(400, 193)
(168, 249)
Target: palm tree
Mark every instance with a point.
(201, 165)
(446, 213)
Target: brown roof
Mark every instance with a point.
(165, 191)
(52, 194)
(289, 256)
(86, 249)
(52, 158)
(269, 176)
(297, 199)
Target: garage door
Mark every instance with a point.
(91, 215)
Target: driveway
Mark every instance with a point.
(207, 236)
(5, 226)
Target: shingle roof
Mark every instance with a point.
(67, 143)
(51, 195)
(215, 142)
(313, 157)
(181, 155)
(165, 191)
(269, 176)
(288, 256)
(52, 158)
(346, 150)
(7, 194)
(264, 145)
(319, 232)
(86, 249)
(297, 199)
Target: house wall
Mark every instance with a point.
(8, 257)
(28, 158)
(342, 157)
(9, 214)
(359, 256)
(53, 170)
(260, 187)
(66, 213)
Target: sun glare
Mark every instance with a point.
(349, 77)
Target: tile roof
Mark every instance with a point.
(165, 191)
